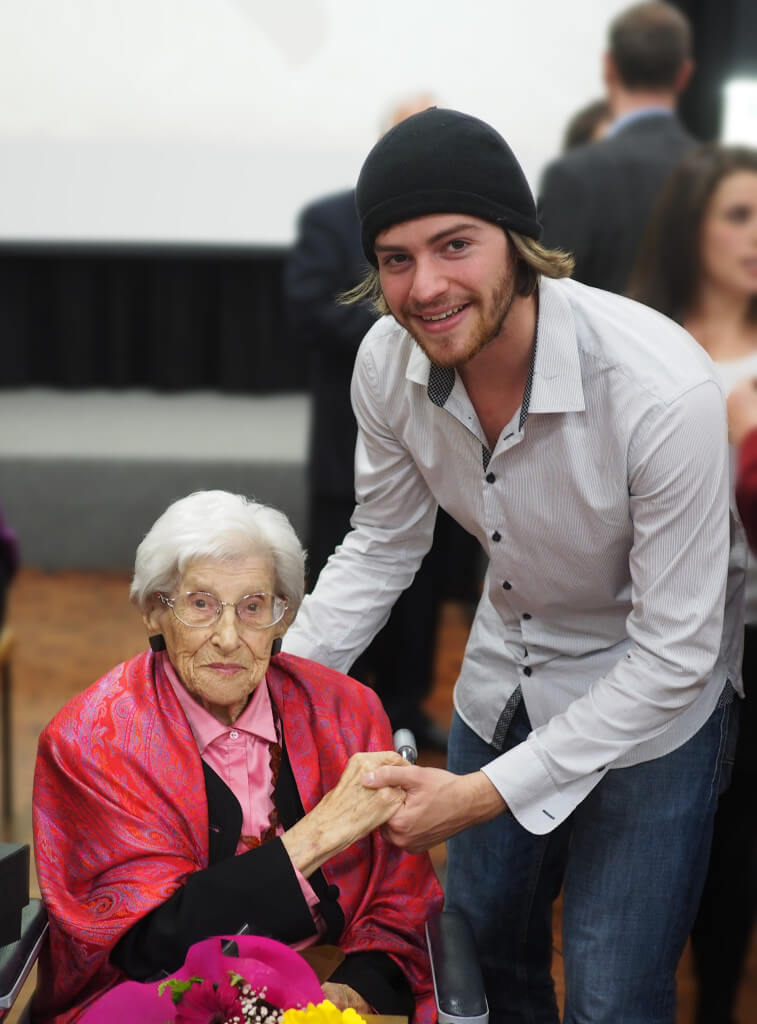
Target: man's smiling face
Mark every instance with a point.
(448, 279)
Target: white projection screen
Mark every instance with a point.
(213, 121)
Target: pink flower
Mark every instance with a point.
(207, 1003)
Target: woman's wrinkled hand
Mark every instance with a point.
(345, 814)
(343, 997)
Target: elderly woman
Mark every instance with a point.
(205, 787)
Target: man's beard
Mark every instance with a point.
(487, 327)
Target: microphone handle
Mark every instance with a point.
(404, 744)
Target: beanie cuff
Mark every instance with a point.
(409, 206)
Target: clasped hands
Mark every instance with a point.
(415, 808)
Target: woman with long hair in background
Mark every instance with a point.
(698, 265)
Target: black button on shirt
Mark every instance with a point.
(526, 671)
(526, 615)
(507, 585)
(490, 478)
(496, 536)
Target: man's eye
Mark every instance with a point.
(395, 260)
(458, 244)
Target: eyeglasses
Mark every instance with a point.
(197, 609)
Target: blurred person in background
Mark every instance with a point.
(698, 265)
(327, 260)
(742, 426)
(589, 124)
(594, 201)
(9, 562)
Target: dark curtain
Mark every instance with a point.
(161, 318)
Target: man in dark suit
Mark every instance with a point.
(326, 260)
(595, 200)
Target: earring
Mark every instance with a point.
(276, 645)
(157, 643)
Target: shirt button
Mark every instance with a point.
(526, 615)
(496, 536)
(507, 585)
(234, 734)
(526, 671)
(490, 478)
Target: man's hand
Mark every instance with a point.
(742, 410)
(437, 804)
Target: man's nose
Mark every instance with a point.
(429, 281)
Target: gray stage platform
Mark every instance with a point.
(84, 474)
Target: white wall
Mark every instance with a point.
(215, 120)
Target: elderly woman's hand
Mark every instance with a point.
(345, 814)
(343, 997)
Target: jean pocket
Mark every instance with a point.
(729, 739)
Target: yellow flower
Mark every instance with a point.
(323, 1013)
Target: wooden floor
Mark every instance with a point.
(72, 627)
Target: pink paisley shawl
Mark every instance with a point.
(121, 820)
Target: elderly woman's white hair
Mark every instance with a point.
(218, 524)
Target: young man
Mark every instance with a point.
(582, 438)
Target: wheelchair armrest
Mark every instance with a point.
(18, 958)
(458, 982)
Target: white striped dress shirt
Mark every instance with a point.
(604, 512)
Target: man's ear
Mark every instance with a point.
(609, 71)
(683, 77)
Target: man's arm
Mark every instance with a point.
(392, 529)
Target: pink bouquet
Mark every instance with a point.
(259, 985)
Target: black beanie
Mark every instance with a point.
(442, 161)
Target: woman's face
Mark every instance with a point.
(221, 664)
(729, 235)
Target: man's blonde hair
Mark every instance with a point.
(532, 260)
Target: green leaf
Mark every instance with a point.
(178, 987)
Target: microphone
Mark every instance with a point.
(229, 946)
(404, 744)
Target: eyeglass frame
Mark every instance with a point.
(169, 602)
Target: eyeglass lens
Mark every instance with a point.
(257, 610)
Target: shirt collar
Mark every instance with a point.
(637, 115)
(557, 384)
(555, 375)
(255, 720)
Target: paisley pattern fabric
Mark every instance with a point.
(121, 820)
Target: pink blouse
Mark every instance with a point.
(239, 754)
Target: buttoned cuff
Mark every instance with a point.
(531, 795)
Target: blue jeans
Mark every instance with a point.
(632, 858)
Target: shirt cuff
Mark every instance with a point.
(529, 791)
